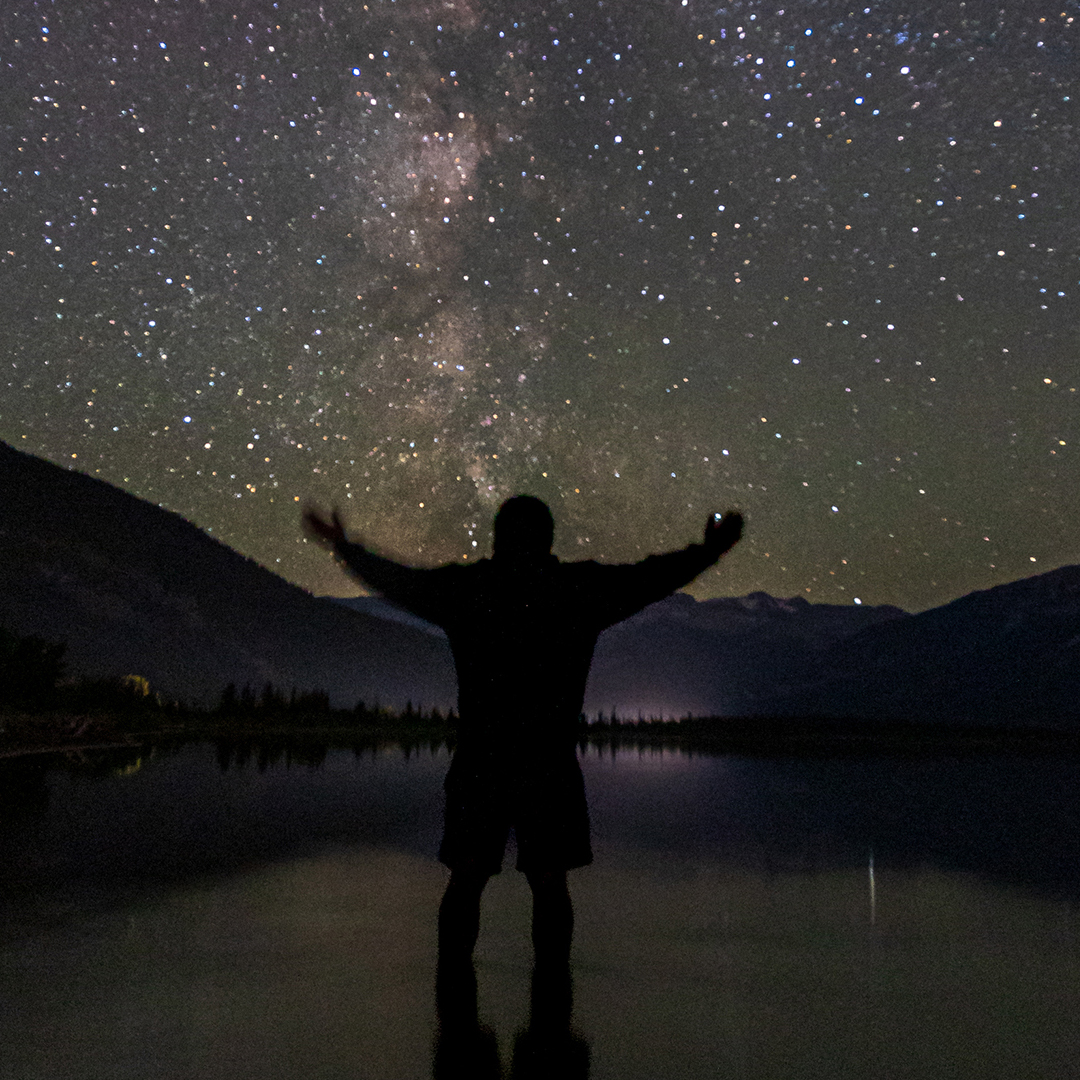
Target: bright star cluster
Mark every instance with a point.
(649, 259)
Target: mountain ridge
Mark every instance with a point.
(134, 589)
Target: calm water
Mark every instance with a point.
(743, 918)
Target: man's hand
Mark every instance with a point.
(722, 533)
(328, 531)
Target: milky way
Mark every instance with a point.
(643, 259)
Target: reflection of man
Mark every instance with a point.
(522, 627)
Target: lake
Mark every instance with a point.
(195, 913)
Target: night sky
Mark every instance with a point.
(645, 259)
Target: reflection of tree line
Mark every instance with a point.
(288, 747)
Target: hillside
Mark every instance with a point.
(134, 589)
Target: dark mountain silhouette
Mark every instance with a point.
(1009, 655)
(134, 589)
(1006, 655)
(724, 657)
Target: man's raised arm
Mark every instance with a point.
(631, 587)
(675, 569)
(405, 585)
(722, 533)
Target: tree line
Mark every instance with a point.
(273, 706)
(34, 681)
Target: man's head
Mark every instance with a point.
(524, 528)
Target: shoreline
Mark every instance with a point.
(38, 737)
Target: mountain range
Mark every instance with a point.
(134, 589)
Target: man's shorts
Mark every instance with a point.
(542, 800)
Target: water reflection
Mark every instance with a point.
(548, 1046)
(213, 912)
(1017, 820)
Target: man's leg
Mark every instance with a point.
(464, 1046)
(459, 913)
(553, 916)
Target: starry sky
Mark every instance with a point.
(645, 259)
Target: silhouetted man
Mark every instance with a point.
(522, 626)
